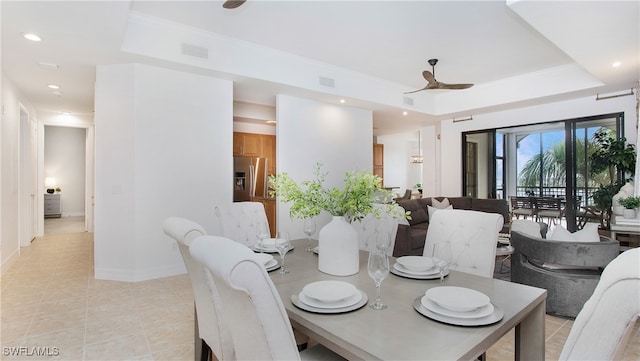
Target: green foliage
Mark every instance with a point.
(310, 197)
(630, 202)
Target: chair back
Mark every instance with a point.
(604, 325)
(260, 329)
(472, 235)
(239, 221)
(210, 327)
(370, 225)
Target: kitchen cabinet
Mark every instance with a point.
(378, 161)
(52, 205)
(247, 144)
(269, 152)
(270, 210)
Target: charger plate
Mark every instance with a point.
(495, 317)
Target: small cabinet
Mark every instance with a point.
(52, 205)
(247, 144)
(378, 161)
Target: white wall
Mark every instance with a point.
(451, 140)
(308, 132)
(162, 141)
(10, 170)
(64, 159)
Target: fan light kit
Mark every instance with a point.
(430, 76)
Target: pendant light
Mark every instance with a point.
(417, 158)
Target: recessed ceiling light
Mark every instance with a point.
(51, 66)
(66, 113)
(31, 36)
(53, 86)
(405, 112)
(616, 64)
(57, 93)
(271, 122)
(342, 101)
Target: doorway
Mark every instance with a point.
(27, 186)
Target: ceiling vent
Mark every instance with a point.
(407, 101)
(328, 82)
(195, 50)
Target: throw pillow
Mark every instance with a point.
(530, 228)
(587, 234)
(434, 209)
(440, 204)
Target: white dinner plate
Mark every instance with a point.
(349, 301)
(401, 268)
(273, 265)
(329, 291)
(434, 276)
(416, 263)
(303, 306)
(257, 248)
(496, 316)
(459, 299)
(264, 258)
(483, 311)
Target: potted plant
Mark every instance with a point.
(617, 158)
(418, 186)
(338, 241)
(630, 204)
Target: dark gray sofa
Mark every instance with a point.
(410, 238)
(569, 271)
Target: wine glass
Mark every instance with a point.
(378, 267)
(442, 257)
(282, 245)
(262, 232)
(309, 228)
(383, 241)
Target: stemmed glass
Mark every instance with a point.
(378, 267)
(442, 257)
(383, 241)
(262, 232)
(309, 228)
(283, 243)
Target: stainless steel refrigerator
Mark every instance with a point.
(249, 178)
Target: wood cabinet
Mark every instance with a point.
(270, 210)
(378, 161)
(247, 144)
(269, 152)
(52, 205)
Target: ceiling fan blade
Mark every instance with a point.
(453, 86)
(429, 77)
(419, 90)
(232, 4)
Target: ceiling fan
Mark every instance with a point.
(433, 83)
(232, 4)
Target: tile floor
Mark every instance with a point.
(52, 305)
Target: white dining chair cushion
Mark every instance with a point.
(530, 228)
(211, 326)
(472, 235)
(239, 221)
(603, 327)
(259, 323)
(370, 225)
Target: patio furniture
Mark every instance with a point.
(521, 206)
(549, 208)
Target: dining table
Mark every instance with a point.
(400, 332)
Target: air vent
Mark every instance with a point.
(328, 82)
(194, 50)
(407, 101)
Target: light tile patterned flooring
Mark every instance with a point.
(50, 303)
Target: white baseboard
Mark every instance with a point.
(73, 214)
(139, 275)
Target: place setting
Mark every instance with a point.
(420, 268)
(458, 306)
(329, 296)
(269, 262)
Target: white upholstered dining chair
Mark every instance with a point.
(260, 327)
(239, 221)
(372, 224)
(471, 235)
(210, 333)
(605, 324)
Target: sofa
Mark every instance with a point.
(411, 236)
(568, 270)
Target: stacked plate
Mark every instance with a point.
(459, 306)
(269, 262)
(418, 267)
(329, 297)
(269, 245)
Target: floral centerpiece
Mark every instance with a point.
(338, 240)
